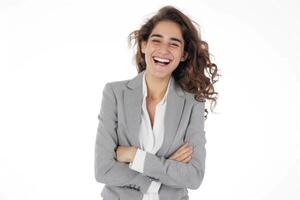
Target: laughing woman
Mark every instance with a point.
(151, 140)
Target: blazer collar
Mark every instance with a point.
(133, 98)
(136, 82)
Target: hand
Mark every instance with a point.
(183, 154)
(125, 154)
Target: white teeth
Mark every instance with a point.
(161, 59)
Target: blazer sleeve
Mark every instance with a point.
(107, 169)
(178, 174)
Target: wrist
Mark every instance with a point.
(133, 150)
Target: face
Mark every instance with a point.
(164, 49)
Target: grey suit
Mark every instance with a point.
(119, 121)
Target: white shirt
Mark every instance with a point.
(150, 139)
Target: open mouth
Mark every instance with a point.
(161, 61)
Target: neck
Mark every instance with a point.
(156, 87)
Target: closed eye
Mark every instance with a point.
(155, 41)
(175, 45)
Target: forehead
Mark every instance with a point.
(167, 29)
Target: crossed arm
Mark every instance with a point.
(169, 172)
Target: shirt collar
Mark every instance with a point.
(145, 93)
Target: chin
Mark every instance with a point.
(160, 74)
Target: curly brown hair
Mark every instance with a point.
(190, 74)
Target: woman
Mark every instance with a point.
(150, 140)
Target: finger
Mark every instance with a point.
(186, 160)
(183, 159)
(180, 152)
(183, 146)
(186, 154)
(181, 155)
(189, 158)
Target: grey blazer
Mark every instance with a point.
(119, 121)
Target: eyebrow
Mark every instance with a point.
(172, 38)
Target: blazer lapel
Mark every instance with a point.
(173, 113)
(133, 99)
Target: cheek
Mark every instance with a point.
(148, 58)
(149, 52)
(177, 55)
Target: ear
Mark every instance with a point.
(184, 57)
(143, 47)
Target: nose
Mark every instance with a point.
(163, 48)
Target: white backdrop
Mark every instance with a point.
(56, 56)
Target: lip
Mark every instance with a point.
(159, 64)
(163, 58)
